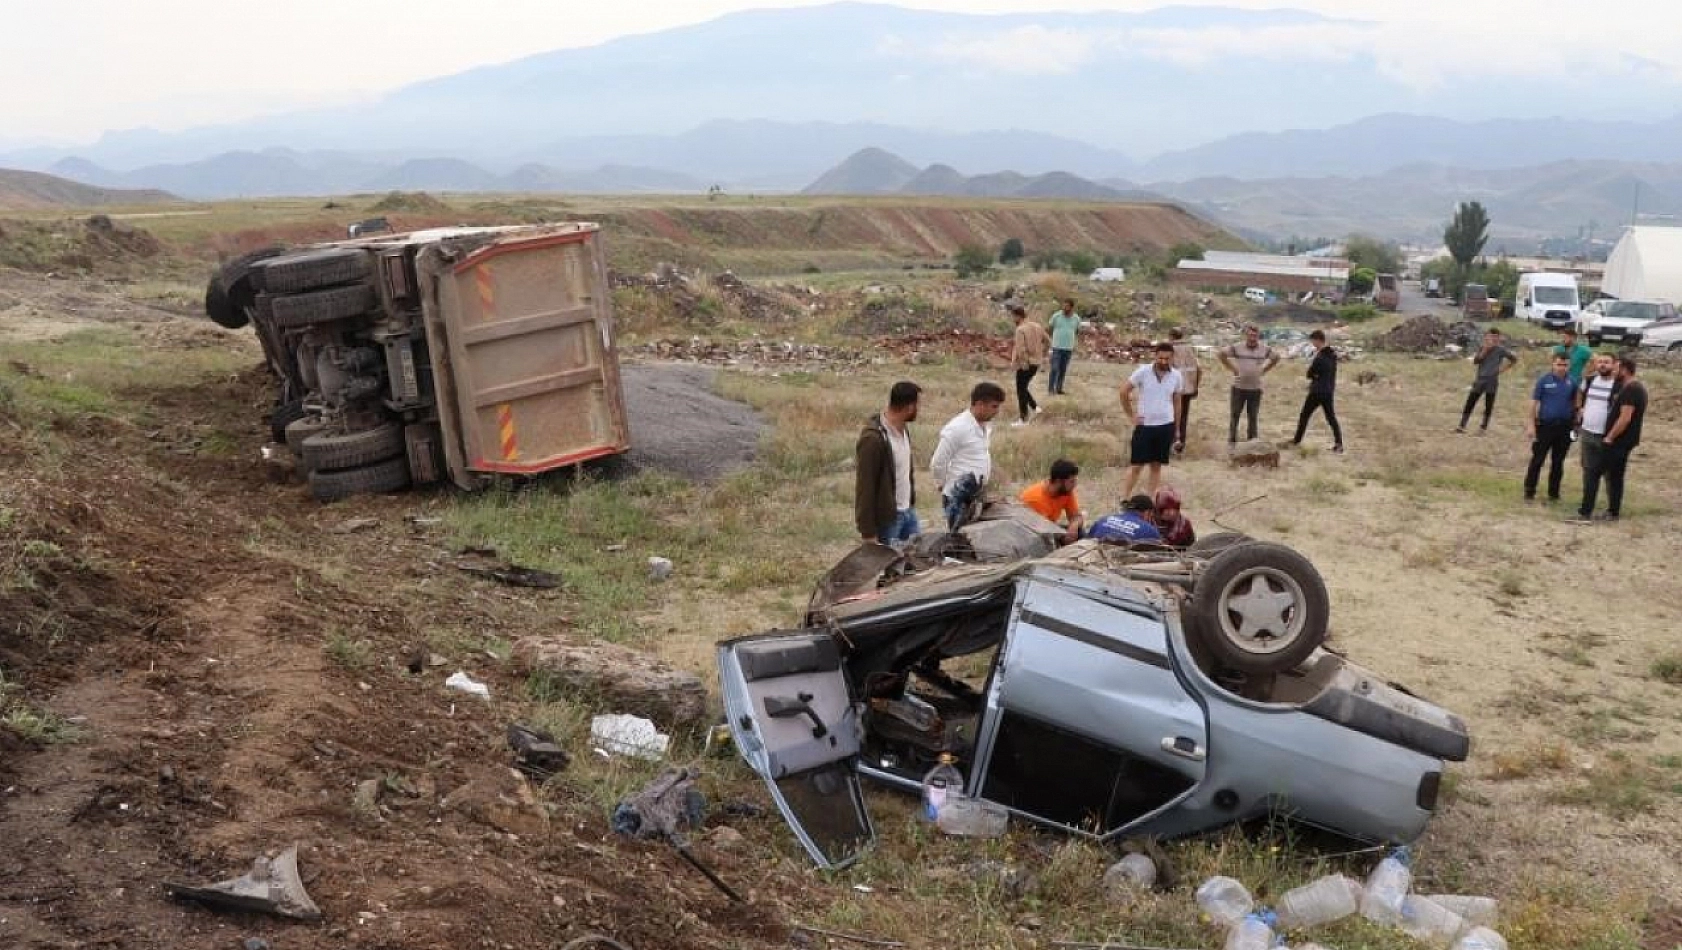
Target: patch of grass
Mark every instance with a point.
(1525, 763)
(28, 722)
(1510, 582)
(1667, 669)
(346, 651)
(1323, 485)
(1619, 787)
(1598, 726)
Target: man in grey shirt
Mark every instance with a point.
(1248, 362)
(1492, 359)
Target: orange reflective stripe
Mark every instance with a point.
(487, 290)
(505, 422)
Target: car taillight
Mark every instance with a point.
(1429, 785)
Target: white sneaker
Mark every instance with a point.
(1019, 422)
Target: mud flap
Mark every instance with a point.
(272, 886)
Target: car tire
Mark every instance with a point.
(311, 270)
(1260, 608)
(300, 429)
(389, 475)
(329, 453)
(319, 306)
(1212, 544)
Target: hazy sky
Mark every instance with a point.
(74, 68)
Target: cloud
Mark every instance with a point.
(1416, 57)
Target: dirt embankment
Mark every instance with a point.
(920, 228)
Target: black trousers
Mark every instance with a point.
(1611, 462)
(1248, 402)
(1025, 399)
(1185, 417)
(1472, 400)
(1553, 440)
(1319, 401)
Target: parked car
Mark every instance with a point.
(1663, 334)
(1107, 274)
(1475, 303)
(1100, 691)
(1255, 294)
(1434, 287)
(1547, 298)
(1621, 321)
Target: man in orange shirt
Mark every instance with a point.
(1056, 496)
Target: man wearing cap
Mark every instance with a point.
(1028, 349)
(1248, 362)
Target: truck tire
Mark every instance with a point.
(329, 453)
(300, 429)
(229, 290)
(282, 417)
(1259, 608)
(319, 306)
(313, 269)
(385, 476)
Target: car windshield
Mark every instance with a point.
(1632, 310)
(1559, 295)
(1476, 292)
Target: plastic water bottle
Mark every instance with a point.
(1225, 900)
(1332, 897)
(943, 783)
(1429, 922)
(1134, 872)
(1387, 886)
(1478, 911)
(1481, 938)
(971, 817)
(1253, 931)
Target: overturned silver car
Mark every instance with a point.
(1103, 691)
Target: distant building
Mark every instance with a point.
(1646, 264)
(1286, 274)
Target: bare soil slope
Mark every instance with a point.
(21, 190)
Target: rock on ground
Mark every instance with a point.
(1257, 453)
(618, 678)
(503, 800)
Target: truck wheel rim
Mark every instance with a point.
(1261, 610)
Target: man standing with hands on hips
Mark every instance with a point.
(1248, 362)
(1156, 417)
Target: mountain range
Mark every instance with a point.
(26, 190)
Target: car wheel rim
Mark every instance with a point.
(1261, 610)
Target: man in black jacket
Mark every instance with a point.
(1322, 383)
(885, 495)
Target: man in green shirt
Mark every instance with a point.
(1063, 325)
(1578, 353)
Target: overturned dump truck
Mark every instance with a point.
(454, 354)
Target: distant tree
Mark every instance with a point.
(1361, 280)
(1046, 260)
(1184, 251)
(1501, 278)
(972, 260)
(1365, 251)
(1011, 251)
(1080, 262)
(1467, 233)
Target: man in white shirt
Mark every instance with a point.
(963, 460)
(1155, 419)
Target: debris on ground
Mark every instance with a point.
(272, 886)
(467, 684)
(1427, 334)
(666, 809)
(354, 525)
(659, 568)
(1256, 453)
(754, 353)
(623, 734)
(501, 799)
(619, 676)
(485, 563)
(536, 753)
(1134, 873)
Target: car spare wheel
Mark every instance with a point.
(312, 269)
(388, 475)
(328, 452)
(319, 306)
(1212, 544)
(1259, 607)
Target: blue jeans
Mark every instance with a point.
(904, 528)
(1059, 369)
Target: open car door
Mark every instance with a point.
(785, 697)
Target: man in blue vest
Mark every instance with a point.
(1131, 525)
(1553, 414)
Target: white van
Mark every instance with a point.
(1547, 298)
(1108, 274)
(1255, 295)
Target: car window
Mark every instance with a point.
(1559, 295)
(1633, 310)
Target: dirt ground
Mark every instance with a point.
(178, 603)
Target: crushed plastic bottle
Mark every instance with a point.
(943, 783)
(1330, 898)
(1388, 884)
(1134, 872)
(1430, 922)
(1225, 900)
(971, 817)
(1254, 931)
(1481, 938)
(1478, 911)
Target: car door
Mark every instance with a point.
(1089, 728)
(787, 703)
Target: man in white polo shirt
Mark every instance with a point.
(1157, 389)
(963, 459)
